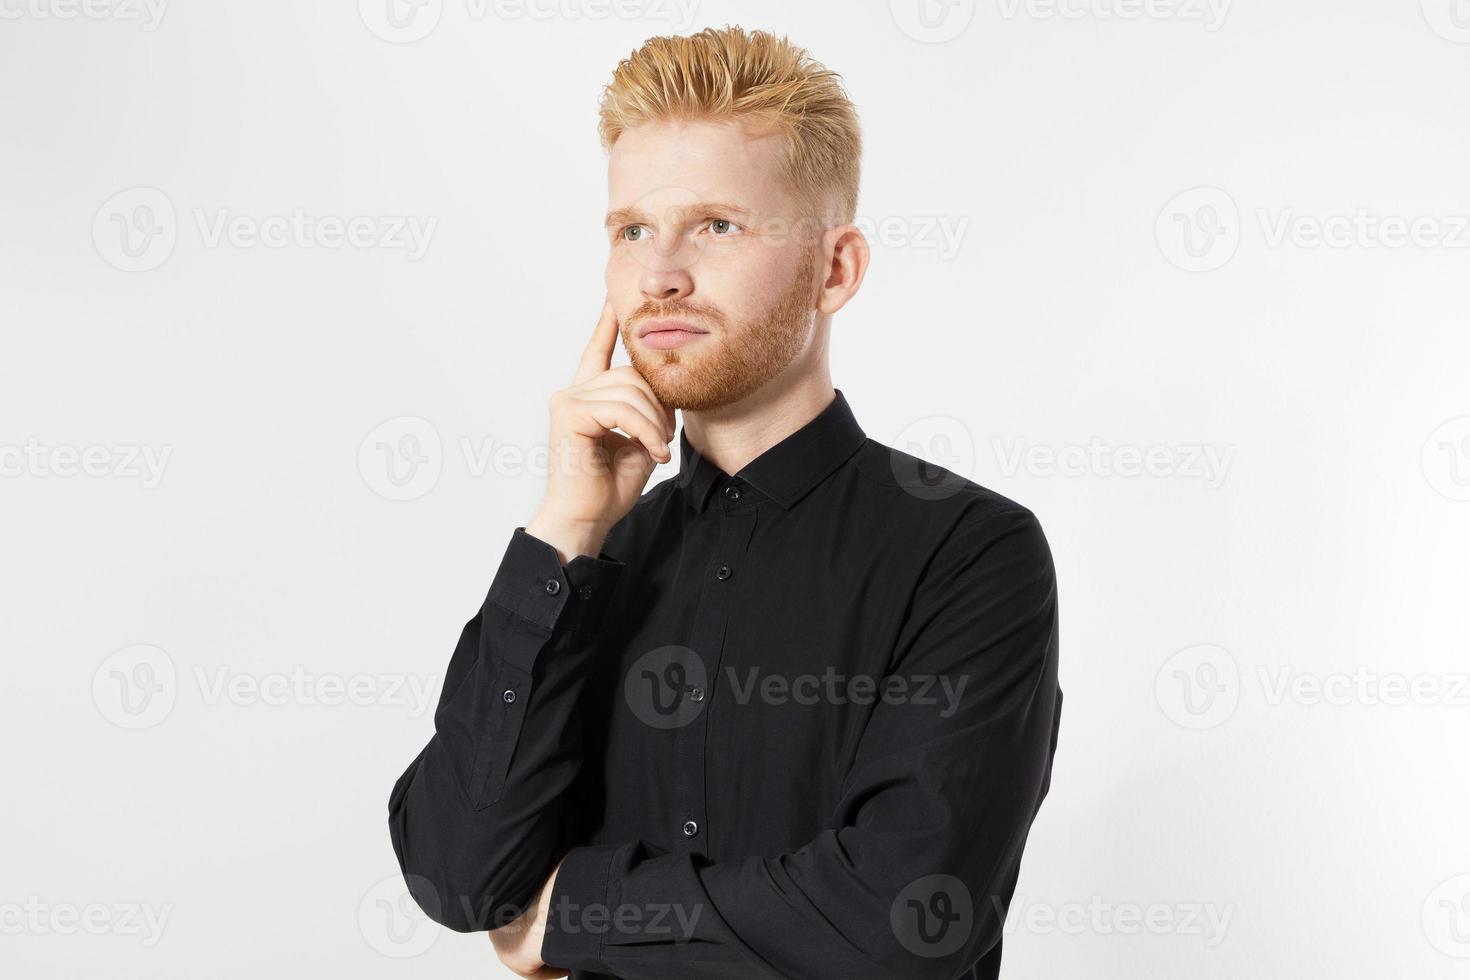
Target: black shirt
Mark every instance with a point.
(794, 722)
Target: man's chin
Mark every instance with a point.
(685, 397)
(671, 381)
(684, 394)
(691, 384)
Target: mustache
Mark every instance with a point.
(652, 310)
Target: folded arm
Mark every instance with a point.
(920, 860)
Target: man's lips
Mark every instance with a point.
(668, 334)
(660, 326)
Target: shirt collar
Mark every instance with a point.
(790, 468)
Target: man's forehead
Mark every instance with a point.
(661, 165)
(704, 140)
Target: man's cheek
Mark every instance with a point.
(622, 277)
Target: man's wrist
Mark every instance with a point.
(543, 911)
(570, 538)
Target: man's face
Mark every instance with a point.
(704, 232)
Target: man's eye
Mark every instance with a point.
(722, 226)
(633, 233)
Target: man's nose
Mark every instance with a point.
(666, 281)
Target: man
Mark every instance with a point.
(790, 722)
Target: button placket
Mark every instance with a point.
(707, 637)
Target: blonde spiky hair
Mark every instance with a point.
(754, 78)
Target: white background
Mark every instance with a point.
(1130, 196)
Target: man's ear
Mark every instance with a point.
(848, 256)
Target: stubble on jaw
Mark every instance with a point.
(742, 360)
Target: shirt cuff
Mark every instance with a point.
(581, 910)
(533, 584)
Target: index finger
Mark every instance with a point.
(597, 357)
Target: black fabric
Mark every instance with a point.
(791, 723)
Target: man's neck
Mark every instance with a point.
(733, 435)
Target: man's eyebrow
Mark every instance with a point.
(630, 215)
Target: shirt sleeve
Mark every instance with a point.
(474, 818)
(920, 859)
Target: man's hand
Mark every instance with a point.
(518, 943)
(596, 475)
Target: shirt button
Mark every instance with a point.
(696, 694)
(552, 586)
(723, 572)
(509, 697)
(732, 492)
(690, 828)
(585, 592)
